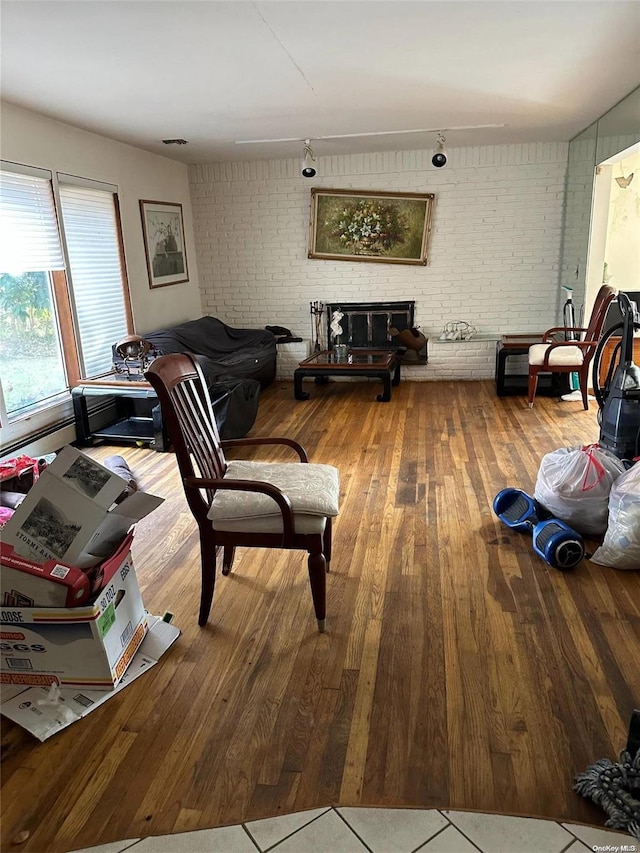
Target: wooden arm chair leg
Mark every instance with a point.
(318, 580)
(227, 561)
(208, 568)
(533, 386)
(326, 544)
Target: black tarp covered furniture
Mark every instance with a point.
(223, 352)
(239, 361)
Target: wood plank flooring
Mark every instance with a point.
(458, 670)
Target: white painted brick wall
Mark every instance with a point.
(494, 251)
(474, 359)
(289, 357)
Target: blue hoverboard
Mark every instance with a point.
(553, 540)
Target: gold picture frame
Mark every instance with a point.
(365, 225)
(165, 251)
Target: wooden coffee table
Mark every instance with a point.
(378, 364)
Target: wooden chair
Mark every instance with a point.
(243, 503)
(570, 356)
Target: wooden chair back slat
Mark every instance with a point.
(191, 424)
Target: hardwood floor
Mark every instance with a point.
(458, 670)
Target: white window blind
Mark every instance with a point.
(93, 248)
(29, 238)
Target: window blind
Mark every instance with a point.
(95, 272)
(29, 237)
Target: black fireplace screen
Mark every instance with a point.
(367, 324)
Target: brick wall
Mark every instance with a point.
(494, 251)
(474, 359)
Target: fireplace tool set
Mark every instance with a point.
(316, 310)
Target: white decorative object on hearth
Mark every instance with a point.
(458, 330)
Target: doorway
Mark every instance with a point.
(614, 242)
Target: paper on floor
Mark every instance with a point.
(34, 710)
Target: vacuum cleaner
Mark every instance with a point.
(619, 396)
(569, 321)
(569, 315)
(553, 540)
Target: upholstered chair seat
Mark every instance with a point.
(559, 356)
(313, 491)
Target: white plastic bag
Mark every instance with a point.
(574, 484)
(621, 546)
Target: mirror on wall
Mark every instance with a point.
(619, 129)
(588, 197)
(577, 212)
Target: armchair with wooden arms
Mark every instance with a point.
(570, 356)
(243, 503)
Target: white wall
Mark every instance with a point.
(32, 139)
(622, 252)
(494, 249)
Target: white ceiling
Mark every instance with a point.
(140, 71)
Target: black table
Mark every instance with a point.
(135, 417)
(378, 364)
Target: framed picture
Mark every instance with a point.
(163, 231)
(362, 225)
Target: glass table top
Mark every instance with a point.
(353, 358)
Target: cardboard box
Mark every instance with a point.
(52, 584)
(69, 514)
(87, 646)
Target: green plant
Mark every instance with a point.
(368, 226)
(25, 300)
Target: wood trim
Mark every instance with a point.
(67, 326)
(106, 381)
(123, 267)
(607, 354)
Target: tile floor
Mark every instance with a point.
(350, 830)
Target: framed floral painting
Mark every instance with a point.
(363, 225)
(163, 230)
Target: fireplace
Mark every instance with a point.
(367, 325)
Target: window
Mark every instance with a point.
(59, 319)
(33, 368)
(91, 231)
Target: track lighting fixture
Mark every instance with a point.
(439, 159)
(308, 170)
(370, 133)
